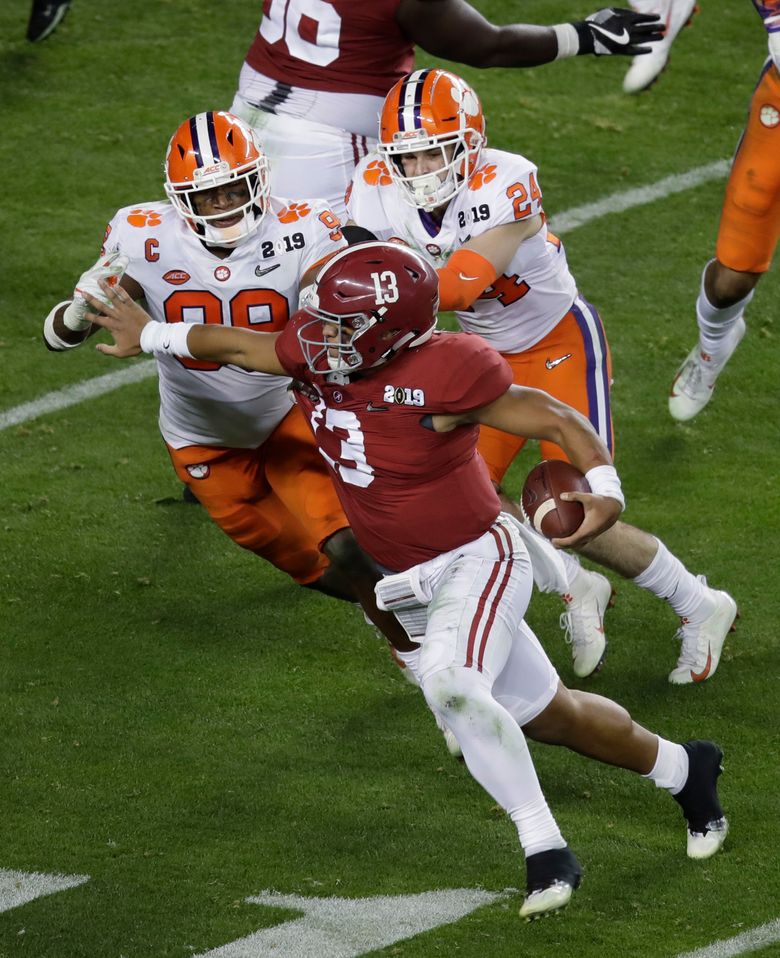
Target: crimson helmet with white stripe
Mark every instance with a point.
(369, 303)
(214, 149)
(427, 110)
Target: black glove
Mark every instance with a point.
(615, 30)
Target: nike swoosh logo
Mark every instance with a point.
(259, 271)
(552, 363)
(467, 279)
(621, 39)
(372, 408)
(701, 676)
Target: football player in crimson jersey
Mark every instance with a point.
(747, 237)
(315, 75)
(224, 250)
(476, 214)
(395, 409)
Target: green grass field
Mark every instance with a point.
(186, 727)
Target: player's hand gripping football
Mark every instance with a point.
(615, 30)
(122, 317)
(601, 512)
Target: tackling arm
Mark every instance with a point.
(474, 267)
(454, 30)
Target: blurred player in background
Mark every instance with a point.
(45, 17)
(316, 74)
(223, 250)
(747, 237)
(674, 15)
(476, 214)
(395, 410)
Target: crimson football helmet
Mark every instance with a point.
(215, 149)
(432, 110)
(370, 302)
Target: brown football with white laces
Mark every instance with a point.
(541, 499)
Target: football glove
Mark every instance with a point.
(110, 268)
(615, 30)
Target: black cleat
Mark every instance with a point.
(553, 877)
(45, 17)
(707, 825)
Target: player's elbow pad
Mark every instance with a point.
(464, 279)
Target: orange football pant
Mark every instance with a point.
(277, 500)
(750, 221)
(573, 364)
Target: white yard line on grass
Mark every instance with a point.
(71, 395)
(619, 202)
(562, 223)
(753, 940)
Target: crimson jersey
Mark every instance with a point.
(339, 45)
(409, 493)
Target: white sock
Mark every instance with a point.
(715, 324)
(671, 767)
(536, 828)
(668, 578)
(495, 751)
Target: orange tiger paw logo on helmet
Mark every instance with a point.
(482, 176)
(377, 174)
(293, 212)
(144, 218)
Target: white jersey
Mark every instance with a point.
(255, 287)
(537, 289)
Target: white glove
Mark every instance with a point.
(110, 268)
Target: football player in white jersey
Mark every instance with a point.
(476, 214)
(222, 250)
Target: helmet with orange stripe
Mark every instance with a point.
(425, 111)
(207, 154)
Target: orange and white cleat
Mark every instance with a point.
(702, 643)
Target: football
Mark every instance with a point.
(541, 499)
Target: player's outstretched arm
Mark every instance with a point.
(134, 332)
(453, 29)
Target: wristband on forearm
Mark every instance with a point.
(168, 339)
(604, 481)
(568, 40)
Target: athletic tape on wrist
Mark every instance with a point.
(568, 40)
(604, 481)
(54, 340)
(166, 339)
(71, 318)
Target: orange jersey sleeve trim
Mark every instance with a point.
(464, 279)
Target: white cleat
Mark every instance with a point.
(703, 643)
(546, 900)
(646, 68)
(589, 597)
(695, 380)
(704, 844)
(552, 878)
